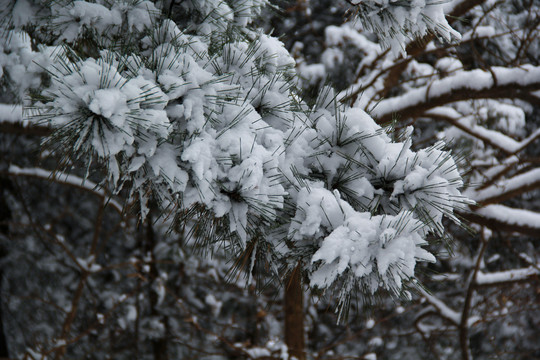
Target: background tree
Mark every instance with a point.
(197, 103)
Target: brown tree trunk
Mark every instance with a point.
(294, 315)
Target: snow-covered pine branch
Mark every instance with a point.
(397, 22)
(198, 114)
(186, 113)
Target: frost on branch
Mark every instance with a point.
(397, 22)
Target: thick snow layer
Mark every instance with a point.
(495, 278)
(380, 251)
(506, 186)
(511, 216)
(474, 80)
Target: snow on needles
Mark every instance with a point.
(397, 22)
(209, 126)
(377, 199)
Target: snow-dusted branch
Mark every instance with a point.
(13, 122)
(504, 218)
(66, 179)
(445, 311)
(507, 276)
(442, 309)
(499, 82)
(414, 48)
(398, 22)
(508, 188)
(494, 138)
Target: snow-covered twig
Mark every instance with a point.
(67, 179)
(511, 217)
(499, 82)
(507, 188)
(12, 122)
(507, 276)
(442, 309)
(493, 138)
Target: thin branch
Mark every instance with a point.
(503, 218)
(507, 277)
(66, 179)
(508, 188)
(414, 48)
(512, 83)
(467, 304)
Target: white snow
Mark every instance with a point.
(370, 323)
(370, 356)
(67, 179)
(468, 125)
(473, 80)
(511, 216)
(479, 31)
(505, 186)
(403, 23)
(446, 312)
(376, 341)
(223, 131)
(495, 278)
(12, 113)
(255, 352)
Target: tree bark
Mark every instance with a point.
(294, 315)
(159, 346)
(5, 217)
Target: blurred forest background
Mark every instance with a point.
(81, 278)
